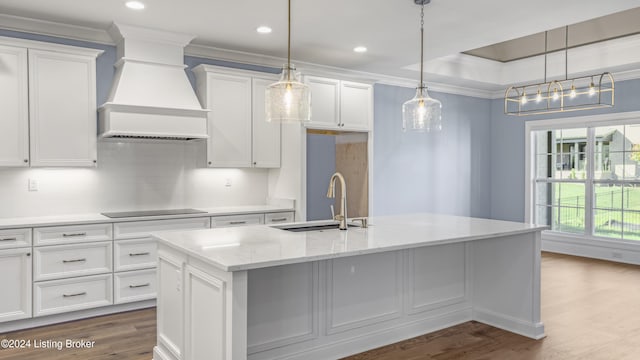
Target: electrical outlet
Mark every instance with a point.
(227, 182)
(33, 185)
(616, 255)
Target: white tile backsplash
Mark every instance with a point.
(130, 176)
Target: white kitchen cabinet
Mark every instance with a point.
(340, 105)
(239, 135)
(62, 108)
(325, 101)
(237, 220)
(266, 137)
(279, 217)
(48, 102)
(14, 102)
(133, 286)
(15, 238)
(229, 98)
(59, 296)
(356, 105)
(15, 298)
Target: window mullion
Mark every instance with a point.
(588, 186)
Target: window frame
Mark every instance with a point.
(590, 122)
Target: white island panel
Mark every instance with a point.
(265, 293)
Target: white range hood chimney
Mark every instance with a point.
(151, 97)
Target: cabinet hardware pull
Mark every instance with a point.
(139, 254)
(279, 219)
(139, 286)
(9, 239)
(237, 222)
(76, 294)
(74, 234)
(26, 161)
(73, 261)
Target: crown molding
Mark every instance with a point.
(457, 74)
(50, 28)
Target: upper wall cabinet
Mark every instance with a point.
(14, 121)
(239, 135)
(340, 105)
(48, 97)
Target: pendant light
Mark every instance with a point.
(288, 100)
(422, 113)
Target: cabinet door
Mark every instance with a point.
(15, 298)
(266, 135)
(62, 106)
(325, 100)
(355, 105)
(229, 98)
(14, 119)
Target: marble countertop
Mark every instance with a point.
(252, 247)
(72, 219)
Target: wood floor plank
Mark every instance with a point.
(589, 307)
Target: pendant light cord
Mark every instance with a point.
(546, 33)
(421, 47)
(566, 52)
(289, 45)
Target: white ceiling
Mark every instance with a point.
(325, 31)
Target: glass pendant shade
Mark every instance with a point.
(422, 113)
(288, 100)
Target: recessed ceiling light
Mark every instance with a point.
(360, 49)
(263, 30)
(135, 5)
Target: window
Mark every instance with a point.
(587, 180)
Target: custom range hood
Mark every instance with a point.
(151, 97)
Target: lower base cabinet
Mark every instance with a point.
(15, 297)
(133, 286)
(58, 296)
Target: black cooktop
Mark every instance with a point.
(125, 214)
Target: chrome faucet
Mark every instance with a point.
(342, 217)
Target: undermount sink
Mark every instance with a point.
(310, 227)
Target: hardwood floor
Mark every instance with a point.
(591, 310)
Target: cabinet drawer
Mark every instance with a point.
(135, 254)
(279, 217)
(62, 261)
(55, 235)
(237, 220)
(58, 296)
(143, 229)
(15, 238)
(134, 286)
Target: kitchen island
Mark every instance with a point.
(261, 292)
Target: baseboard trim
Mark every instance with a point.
(159, 354)
(588, 248)
(75, 315)
(504, 322)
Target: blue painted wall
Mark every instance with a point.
(321, 164)
(444, 172)
(508, 155)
